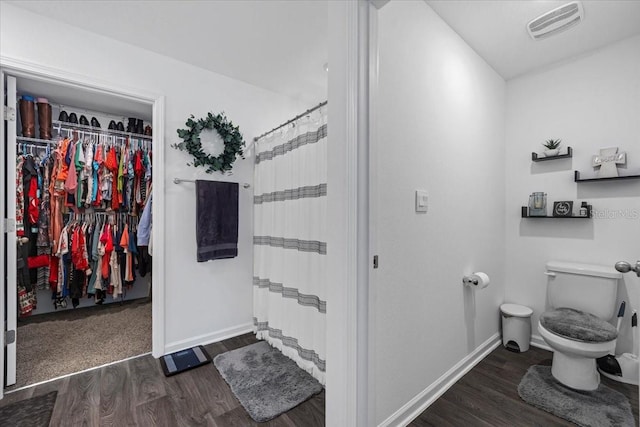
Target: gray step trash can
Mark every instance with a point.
(516, 327)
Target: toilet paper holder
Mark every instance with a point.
(476, 280)
(470, 280)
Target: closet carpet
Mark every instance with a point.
(60, 343)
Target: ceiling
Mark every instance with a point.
(280, 45)
(496, 30)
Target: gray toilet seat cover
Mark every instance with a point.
(578, 325)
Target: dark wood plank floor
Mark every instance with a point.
(488, 395)
(136, 393)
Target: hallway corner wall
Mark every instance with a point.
(440, 128)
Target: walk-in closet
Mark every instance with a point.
(80, 165)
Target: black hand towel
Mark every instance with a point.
(216, 219)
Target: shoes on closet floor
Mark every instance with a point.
(63, 117)
(84, 121)
(94, 122)
(73, 118)
(60, 302)
(99, 297)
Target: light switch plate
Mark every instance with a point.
(422, 201)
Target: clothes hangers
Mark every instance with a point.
(48, 151)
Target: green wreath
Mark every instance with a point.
(230, 134)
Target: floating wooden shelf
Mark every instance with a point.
(525, 214)
(577, 178)
(536, 158)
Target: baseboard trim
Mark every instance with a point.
(538, 341)
(425, 398)
(209, 338)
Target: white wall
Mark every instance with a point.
(204, 301)
(441, 129)
(590, 103)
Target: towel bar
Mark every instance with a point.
(181, 180)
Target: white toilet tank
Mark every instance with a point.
(585, 287)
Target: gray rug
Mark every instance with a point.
(603, 407)
(33, 412)
(266, 382)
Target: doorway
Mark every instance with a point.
(95, 99)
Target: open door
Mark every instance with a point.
(8, 299)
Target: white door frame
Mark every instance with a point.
(2, 242)
(349, 387)
(11, 293)
(19, 68)
(372, 159)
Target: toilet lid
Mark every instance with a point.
(516, 310)
(578, 325)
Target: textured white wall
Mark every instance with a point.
(441, 129)
(590, 103)
(203, 300)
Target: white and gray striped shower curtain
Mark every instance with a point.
(289, 243)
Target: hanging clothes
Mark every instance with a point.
(115, 287)
(19, 196)
(44, 214)
(98, 162)
(124, 244)
(107, 241)
(30, 175)
(88, 174)
(81, 178)
(95, 252)
(71, 183)
(32, 203)
(95, 282)
(63, 170)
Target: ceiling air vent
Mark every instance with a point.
(555, 21)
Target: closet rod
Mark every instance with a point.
(180, 180)
(35, 140)
(310, 110)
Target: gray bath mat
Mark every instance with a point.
(266, 382)
(603, 407)
(33, 412)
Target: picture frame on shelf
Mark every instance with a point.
(563, 208)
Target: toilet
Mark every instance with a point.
(582, 299)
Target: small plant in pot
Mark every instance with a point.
(551, 146)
